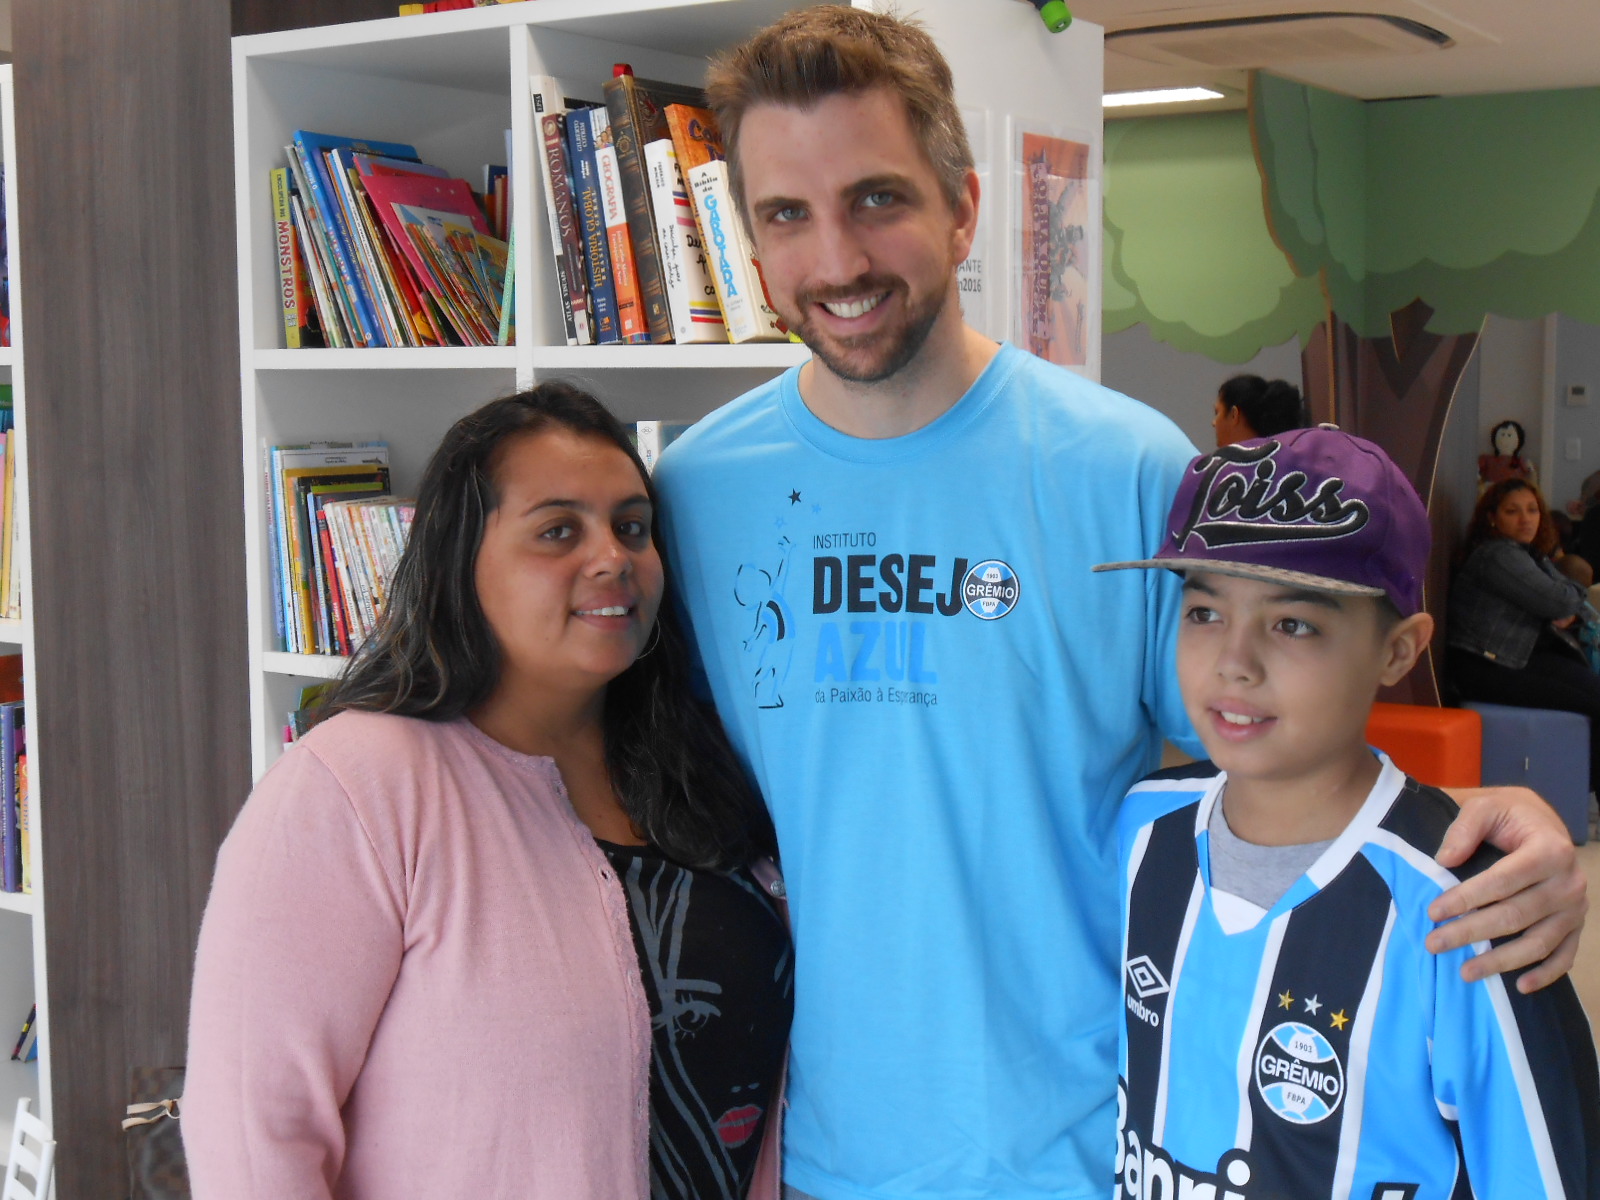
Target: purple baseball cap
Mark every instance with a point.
(1316, 508)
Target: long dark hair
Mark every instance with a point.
(1481, 528)
(1269, 407)
(433, 654)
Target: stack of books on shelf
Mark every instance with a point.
(430, 6)
(378, 248)
(305, 712)
(10, 528)
(15, 837)
(336, 535)
(647, 245)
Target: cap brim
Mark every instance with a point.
(1320, 583)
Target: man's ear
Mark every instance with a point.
(966, 214)
(1403, 645)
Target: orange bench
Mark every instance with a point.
(1438, 746)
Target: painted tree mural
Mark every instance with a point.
(1420, 217)
(1188, 250)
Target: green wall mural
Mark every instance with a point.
(1473, 204)
(1188, 250)
(1411, 219)
(1312, 148)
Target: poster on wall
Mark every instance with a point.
(1054, 179)
(972, 275)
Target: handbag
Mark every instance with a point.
(157, 1169)
(1586, 630)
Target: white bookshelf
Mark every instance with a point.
(22, 917)
(451, 84)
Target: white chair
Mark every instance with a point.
(35, 1163)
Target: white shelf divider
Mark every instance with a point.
(760, 356)
(302, 666)
(389, 358)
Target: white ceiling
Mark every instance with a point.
(1501, 46)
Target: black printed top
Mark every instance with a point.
(719, 977)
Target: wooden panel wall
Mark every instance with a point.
(264, 16)
(126, 246)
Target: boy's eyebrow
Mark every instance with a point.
(1308, 596)
(1197, 583)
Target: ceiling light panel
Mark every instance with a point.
(1159, 96)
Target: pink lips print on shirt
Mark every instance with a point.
(736, 1125)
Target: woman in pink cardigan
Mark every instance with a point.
(491, 930)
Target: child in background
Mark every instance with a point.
(1286, 1033)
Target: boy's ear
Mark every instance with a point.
(1403, 645)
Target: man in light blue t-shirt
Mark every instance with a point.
(885, 559)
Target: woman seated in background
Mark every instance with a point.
(493, 928)
(1509, 609)
(1249, 406)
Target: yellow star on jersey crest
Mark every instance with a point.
(1285, 1000)
(1339, 1019)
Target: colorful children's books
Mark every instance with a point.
(507, 332)
(24, 812)
(313, 149)
(334, 462)
(300, 326)
(442, 233)
(10, 840)
(367, 538)
(326, 293)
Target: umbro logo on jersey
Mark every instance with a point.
(1146, 980)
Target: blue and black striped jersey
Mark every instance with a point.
(1316, 1049)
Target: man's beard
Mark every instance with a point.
(896, 347)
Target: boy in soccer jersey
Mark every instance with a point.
(1285, 1033)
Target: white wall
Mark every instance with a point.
(1510, 381)
(1181, 385)
(1011, 74)
(1577, 360)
